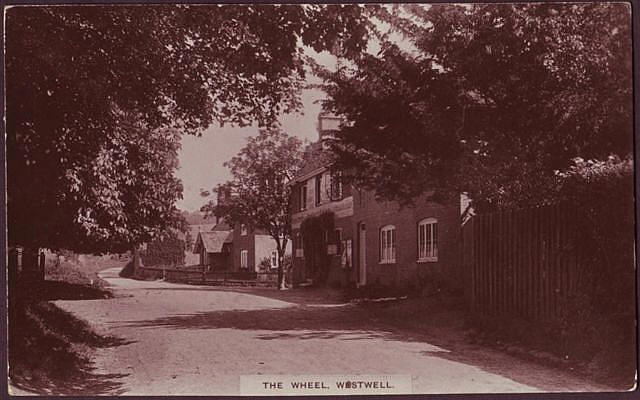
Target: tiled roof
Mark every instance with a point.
(314, 157)
(221, 226)
(212, 241)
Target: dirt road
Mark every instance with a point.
(191, 340)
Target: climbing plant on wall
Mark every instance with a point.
(316, 232)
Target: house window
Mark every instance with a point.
(388, 244)
(318, 192)
(428, 240)
(303, 197)
(243, 230)
(336, 187)
(333, 247)
(274, 259)
(244, 259)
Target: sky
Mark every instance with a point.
(201, 158)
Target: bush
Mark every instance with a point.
(165, 251)
(599, 324)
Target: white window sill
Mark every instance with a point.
(427, 260)
(387, 262)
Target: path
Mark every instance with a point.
(193, 340)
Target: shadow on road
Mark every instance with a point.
(300, 296)
(442, 337)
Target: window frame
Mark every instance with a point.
(274, 256)
(428, 249)
(318, 189)
(336, 186)
(388, 235)
(244, 231)
(303, 196)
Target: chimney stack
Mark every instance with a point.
(327, 124)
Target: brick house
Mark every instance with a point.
(315, 191)
(371, 242)
(252, 247)
(400, 246)
(238, 248)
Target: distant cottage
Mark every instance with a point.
(214, 248)
(236, 249)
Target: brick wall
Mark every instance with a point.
(407, 269)
(240, 243)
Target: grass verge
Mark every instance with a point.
(50, 350)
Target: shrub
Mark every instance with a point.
(166, 251)
(600, 321)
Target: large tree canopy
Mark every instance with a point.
(93, 90)
(259, 194)
(489, 99)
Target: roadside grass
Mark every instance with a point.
(582, 352)
(81, 269)
(50, 350)
(444, 319)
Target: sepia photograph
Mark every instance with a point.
(319, 199)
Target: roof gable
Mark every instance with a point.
(211, 241)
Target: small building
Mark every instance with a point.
(237, 248)
(254, 249)
(214, 249)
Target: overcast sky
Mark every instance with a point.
(201, 158)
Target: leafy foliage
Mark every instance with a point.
(602, 313)
(98, 96)
(488, 99)
(258, 194)
(166, 251)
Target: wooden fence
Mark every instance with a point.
(521, 263)
(202, 277)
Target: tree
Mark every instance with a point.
(165, 251)
(98, 96)
(488, 99)
(260, 196)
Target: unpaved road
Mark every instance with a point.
(191, 340)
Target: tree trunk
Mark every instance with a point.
(281, 276)
(30, 264)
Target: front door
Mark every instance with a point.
(362, 255)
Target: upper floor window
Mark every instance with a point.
(243, 230)
(428, 240)
(303, 196)
(318, 191)
(388, 244)
(336, 186)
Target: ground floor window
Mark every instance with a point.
(274, 259)
(388, 244)
(244, 259)
(428, 240)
